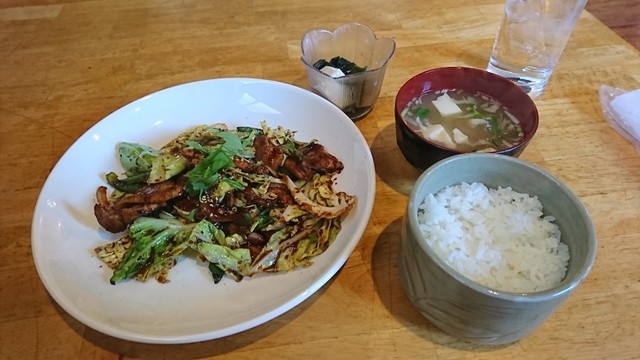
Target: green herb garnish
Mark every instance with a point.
(216, 272)
(205, 174)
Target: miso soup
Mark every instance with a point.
(463, 121)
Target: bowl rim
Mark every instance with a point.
(566, 285)
(525, 140)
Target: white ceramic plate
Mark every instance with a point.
(190, 307)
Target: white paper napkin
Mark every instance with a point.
(621, 108)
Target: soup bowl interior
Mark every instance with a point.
(421, 152)
(464, 308)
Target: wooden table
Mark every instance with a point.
(64, 65)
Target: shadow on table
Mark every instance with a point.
(221, 346)
(391, 166)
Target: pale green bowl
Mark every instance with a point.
(464, 308)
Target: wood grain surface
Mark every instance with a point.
(65, 65)
(622, 16)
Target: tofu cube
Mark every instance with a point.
(438, 134)
(459, 137)
(333, 72)
(446, 106)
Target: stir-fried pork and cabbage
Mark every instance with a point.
(244, 200)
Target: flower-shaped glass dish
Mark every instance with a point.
(355, 93)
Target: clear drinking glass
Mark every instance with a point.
(355, 94)
(530, 40)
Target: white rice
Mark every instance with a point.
(496, 237)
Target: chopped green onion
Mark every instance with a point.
(493, 125)
(422, 112)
